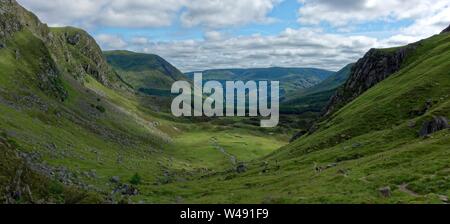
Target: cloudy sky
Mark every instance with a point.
(204, 34)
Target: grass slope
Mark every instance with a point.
(369, 144)
(147, 73)
(67, 149)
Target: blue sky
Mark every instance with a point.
(205, 34)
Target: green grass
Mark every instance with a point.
(106, 131)
(367, 145)
(144, 71)
(197, 147)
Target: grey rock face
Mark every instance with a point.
(49, 81)
(374, 67)
(126, 189)
(447, 30)
(241, 168)
(437, 124)
(73, 40)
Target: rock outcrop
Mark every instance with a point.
(14, 18)
(79, 54)
(447, 30)
(438, 123)
(374, 67)
(70, 50)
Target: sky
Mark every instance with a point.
(196, 35)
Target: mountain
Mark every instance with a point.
(373, 68)
(147, 73)
(331, 83)
(316, 97)
(385, 142)
(291, 79)
(64, 113)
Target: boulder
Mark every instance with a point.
(115, 179)
(241, 168)
(437, 124)
(74, 39)
(126, 190)
(385, 192)
(2, 45)
(18, 55)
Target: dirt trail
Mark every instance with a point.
(404, 188)
(215, 144)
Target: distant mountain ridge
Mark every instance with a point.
(147, 73)
(291, 79)
(315, 98)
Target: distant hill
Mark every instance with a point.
(147, 73)
(291, 79)
(315, 98)
(333, 82)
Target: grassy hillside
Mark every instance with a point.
(72, 131)
(147, 73)
(331, 83)
(315, 98)
(367, 152)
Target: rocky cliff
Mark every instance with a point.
(78, 54)
(72, 51)
(21, 30)
(447, 30)
(374, 67)
(14, 18)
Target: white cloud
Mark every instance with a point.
(428, 17)
(309, 46)
(213, 35)
(140, 41)
(292, 47)
(223, 13)
(345, 12)
(111, 42)
(151, 13)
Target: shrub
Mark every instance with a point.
(136, 179)
(101, 108)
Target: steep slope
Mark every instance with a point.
(331, 83)
(373, 68)
(147, 73)
(71, 131)
(78, 54)
(447, 30)
(369, 151)
(67, 120)
(291, 79)
(316, 98)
